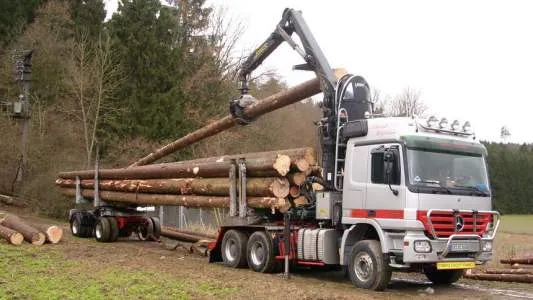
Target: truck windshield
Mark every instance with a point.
(447, 172)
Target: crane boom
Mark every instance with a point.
(292, 22)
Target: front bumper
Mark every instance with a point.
(456, 248)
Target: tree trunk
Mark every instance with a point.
(177, 200)
(180, 235)
(301, 158)
(261, 107)
(255, 167)
(261, 187)
(30, 234)
(509, 271)
(500, 277)
(53, 233)
(10, 235)
(522, 266)
(191, 232)
(520, 260)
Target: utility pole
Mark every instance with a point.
(22, 106)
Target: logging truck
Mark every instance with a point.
(396, 194)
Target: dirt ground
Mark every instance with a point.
(246, 284)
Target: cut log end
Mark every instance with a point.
(317, 187)
(280, 188)
(10, 235)
(294, 191)
(300, 201)
(54, 234)
(16, 238)
(38, 239)
(297, 178)
(282, 164)
(302, 164)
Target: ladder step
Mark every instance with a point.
(341, 145)
(340, 159)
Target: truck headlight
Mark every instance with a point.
(487, 246)
(422, 246)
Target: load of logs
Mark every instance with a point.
(521, 270)
(15, 231)
(273, 181)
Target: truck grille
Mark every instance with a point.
(442, 224)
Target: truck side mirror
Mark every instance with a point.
(390, 167)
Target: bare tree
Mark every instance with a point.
(378, 101)
(406, 104)
(94, 80)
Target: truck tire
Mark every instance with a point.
(442, 277)
(113, 229)
(157, 228)
(76, 227)
(234, 248)
(368, 268)
(145, 231)
(260, 253)
(102, 230)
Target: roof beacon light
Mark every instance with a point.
(455, 125)
(432, 121)
(443, 123)
(467, 127)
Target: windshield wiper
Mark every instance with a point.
(473, 188)
(447, 190)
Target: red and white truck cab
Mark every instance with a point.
(422, 187)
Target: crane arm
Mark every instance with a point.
(292, 22)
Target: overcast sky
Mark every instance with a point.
(471, 60)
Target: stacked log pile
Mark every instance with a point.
(15, 231)
(273, 180)
(521, 270)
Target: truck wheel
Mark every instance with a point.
(113, 229)
(102, 230)
(157, 228)
(145, 230)
(75, 225)
(442, 276)
(234, 248)
(260, 253)
(368, 267)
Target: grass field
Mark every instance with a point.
(29, 272)
(85, 269)
(517, 224)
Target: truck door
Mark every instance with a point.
(385, 166)
(354, 188)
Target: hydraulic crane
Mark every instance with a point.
(344, 100)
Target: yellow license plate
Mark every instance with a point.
(449, 265)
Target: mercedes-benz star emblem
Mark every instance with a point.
(459, 223)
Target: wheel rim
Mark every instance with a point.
(231, 250)
(98, 231)
(143, 232)
(363, 267)
(257, 253)
(74, 227)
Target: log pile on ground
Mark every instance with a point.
(14, 230)
(273, 181)
(521, 270)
